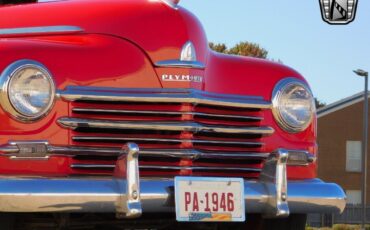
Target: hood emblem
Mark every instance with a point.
(182, 78)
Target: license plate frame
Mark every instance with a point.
(193, 185)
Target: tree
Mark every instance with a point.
(249, 49)
(242, 48)
(319, 104)
(219, 47)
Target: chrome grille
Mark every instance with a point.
(179, 131)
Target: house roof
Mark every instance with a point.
(341, 104)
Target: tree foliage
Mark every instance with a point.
(219, 47)
(319, 104)
(242, 48)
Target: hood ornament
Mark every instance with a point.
(187, 59)
(171, 3)
(188, 52)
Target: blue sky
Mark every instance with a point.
(293, 31)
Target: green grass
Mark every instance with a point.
(341, 227)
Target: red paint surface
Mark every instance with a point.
(120, 43)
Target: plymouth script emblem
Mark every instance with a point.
(181, 77)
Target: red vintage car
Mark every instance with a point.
(117, 112)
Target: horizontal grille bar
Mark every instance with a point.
(155, 167)
(163, 140)
(176, 153)
(75, 123)
(195, 154)
(115, 152)
(162, 113)
(191, 96)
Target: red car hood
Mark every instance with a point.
(155, 27)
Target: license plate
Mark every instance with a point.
(207, 199)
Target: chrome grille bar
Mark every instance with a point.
(13, 150)
(75, 123)
(163, 113)
(155, 167)
(195, 154)
(33, 149)
(191, 96)
(163, 140)
(175, 153)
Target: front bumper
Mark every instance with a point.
(129, 197)
(97, 195)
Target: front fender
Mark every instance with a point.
(230, 74)
(82, 59)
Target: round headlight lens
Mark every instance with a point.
(293, 105)
(30, 90)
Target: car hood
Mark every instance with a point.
(158, 29)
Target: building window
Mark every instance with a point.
(353, 156)
(354, 197)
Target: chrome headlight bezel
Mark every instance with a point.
(277, 94)
(5, 81)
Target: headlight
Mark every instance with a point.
(27, 90)
(293, 105)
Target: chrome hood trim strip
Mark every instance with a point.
(40, 30)
(180, 64)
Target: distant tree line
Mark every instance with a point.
(242, 48)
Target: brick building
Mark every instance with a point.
(340, 128)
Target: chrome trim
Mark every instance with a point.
(300, 158)
(191, 96)
(40, 30)
(35, 149)
(8, 149)
(274, 175)
(195, 154)
(75, 123)
(164, 113)
(179, 141)
(188, 59)
(171, 168)
(200, 168)
(100, 195)
(127, 168)
(171, 3)
(5, 80)
(276, 95)
(180, 64)
(188, 52)
(30, 150)
(82, 151)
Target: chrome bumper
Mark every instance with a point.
(129, 197)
